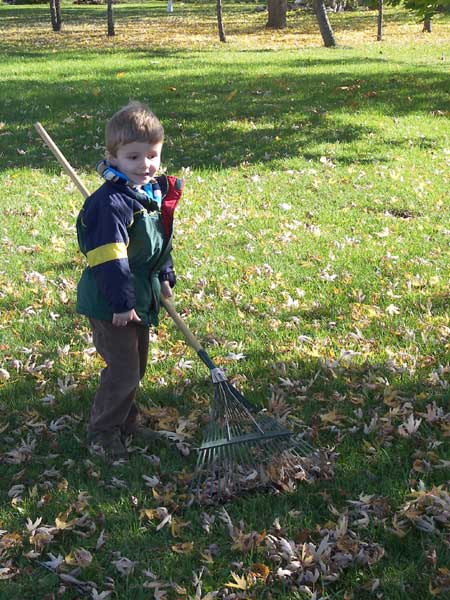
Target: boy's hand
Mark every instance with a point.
(121, 319)
(166, 290)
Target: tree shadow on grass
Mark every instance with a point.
(229, 116)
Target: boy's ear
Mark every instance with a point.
(109, 157)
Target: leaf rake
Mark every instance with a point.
(242, 450)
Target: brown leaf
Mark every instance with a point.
(79, 558)
(148, 513)
(246, 542)
(10, 540)
(260, 570)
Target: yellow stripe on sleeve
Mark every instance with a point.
(107, 252)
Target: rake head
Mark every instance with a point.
(244, 452)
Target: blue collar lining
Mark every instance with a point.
(151, 190)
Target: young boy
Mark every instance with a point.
(125, 231)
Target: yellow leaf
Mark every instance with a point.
(33, 492)
(207, 557)
(240, 583)
(120, 74)
(96, 91)
(183, 547)
(331, 417)
(179, 589)
(231, 95)
(176, 526)
(62, 524)
(148, 513)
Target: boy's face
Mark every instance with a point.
(139, 161)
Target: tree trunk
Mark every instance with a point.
(277, 14)
(110, 17)
(220, 21)
(427, 25)
(324, 23)
(380, 21)
(55, 14)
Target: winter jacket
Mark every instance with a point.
(127, 239)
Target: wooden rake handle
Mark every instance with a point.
(61, 159)
(168, 305)
(181, 325)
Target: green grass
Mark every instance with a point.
(316, 201)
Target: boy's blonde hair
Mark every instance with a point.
(135, 122)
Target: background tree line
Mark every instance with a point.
(424, 10)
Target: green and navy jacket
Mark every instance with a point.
(126, 235)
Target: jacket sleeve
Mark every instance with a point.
(167, 272)
(106, 239)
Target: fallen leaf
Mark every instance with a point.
(4, 375)
(124, 565)
(79, 558)
(240, 583)
(183, 547)
(260, 570)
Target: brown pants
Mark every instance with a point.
(125, 352)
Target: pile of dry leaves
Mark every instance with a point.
(225, 479)
(305, 564)
(427, 510)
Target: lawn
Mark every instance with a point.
(312, 249)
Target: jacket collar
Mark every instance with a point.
(150, 192)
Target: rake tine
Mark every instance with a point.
(303, 446)
(242, 403)
(223, 470)
(230, 476)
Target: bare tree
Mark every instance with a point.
(55, 14)
(276, 14)
(220, 21)
(380, 21)
(110, 18)
(324, 23)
